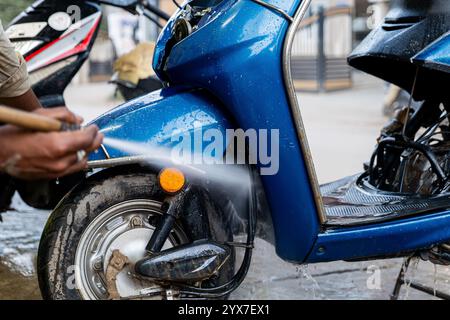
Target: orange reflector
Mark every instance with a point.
(171, 180)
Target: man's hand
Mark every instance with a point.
(34, 155)
(60, 113)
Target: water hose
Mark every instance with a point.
(33, 121)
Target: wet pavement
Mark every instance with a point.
(341, 127)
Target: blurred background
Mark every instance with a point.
(342, 111)
(332, 28)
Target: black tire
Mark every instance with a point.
(79, 207)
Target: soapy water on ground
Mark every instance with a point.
(19, 236)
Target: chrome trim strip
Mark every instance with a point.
(274, 8)
(108, 163)
(105, 151)
(296, 109)
(146, 159)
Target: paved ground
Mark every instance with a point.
(342, 128)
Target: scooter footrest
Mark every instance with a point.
(352, 201)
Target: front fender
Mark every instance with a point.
(153, 120)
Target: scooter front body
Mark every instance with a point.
(237, 54)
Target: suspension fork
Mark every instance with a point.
(174, 209)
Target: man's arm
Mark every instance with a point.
(34, 155)
(27, 101)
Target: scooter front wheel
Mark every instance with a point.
(110, 214)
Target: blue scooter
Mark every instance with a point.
(141, 226)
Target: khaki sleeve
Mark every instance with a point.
(13, 69)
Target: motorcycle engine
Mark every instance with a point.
(416, 175)
(413, 154)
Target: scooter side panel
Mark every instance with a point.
(157, 119)
(237, 56)
(384, 239)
